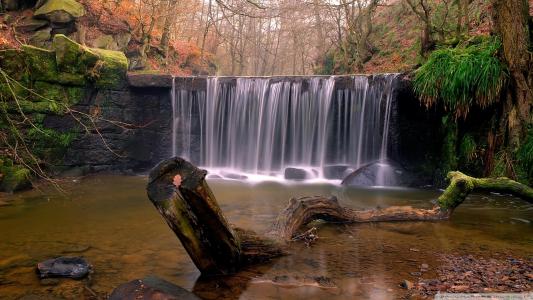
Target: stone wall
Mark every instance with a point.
(134, 145)
(145, 104)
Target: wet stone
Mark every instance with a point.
(65, 266)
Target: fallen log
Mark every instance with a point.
(180, 193)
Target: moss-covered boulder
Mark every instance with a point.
(105, 68)
(72, 57)
(13, 177)
(110, 71)
(60, 11)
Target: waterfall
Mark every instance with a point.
(264, 126)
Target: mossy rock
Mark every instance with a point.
(110, 71)
(14, 178)
(60, 11)
(11, 61)
(72, 57)
(106, 68)
(42, 66)
(68, 95)
(41, 63)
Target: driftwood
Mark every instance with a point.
(179, 191)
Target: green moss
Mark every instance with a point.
(14, 178)
(110, 71)
(70, 6)
(11, 61)
(48, 144)
(41, 63)
(72, 57)
(456, 192)
(67, 95)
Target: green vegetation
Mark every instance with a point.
(35, 83)
(459, 78)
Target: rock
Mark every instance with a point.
(41, 38)
(60, 11)
(372, 174)
(151, 288)
(111, 73)
(30, 24)
(149, 79)
(122, 39)
(296, 174)
(105, 41)
(334, 171)
(406, 284)
(15, 178)
(72, 57)
(117, 42)
(106, 68)
(65, 266)
(43, 67)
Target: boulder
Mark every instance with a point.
(14, 178)
(60, 11)
(151, 288)
(42, 38)
(72, 57)
(30, 24)
(105, 41)
(111, 71)
(106, 68)
(65, 266)
(296, 174)
(382, 173)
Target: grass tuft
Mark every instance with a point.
(461, 77)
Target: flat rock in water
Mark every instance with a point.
(296, 174)
(151, 288)
(65, 266)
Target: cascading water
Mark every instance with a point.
(263, 127)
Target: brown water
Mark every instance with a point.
(109, 220)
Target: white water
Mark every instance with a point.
(258, 127)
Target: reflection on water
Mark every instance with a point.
(109, 220)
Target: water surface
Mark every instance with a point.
(109, 220)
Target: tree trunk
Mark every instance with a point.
(169, 22)
(182, 196)
(511, 19)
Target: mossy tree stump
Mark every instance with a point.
(179, 191)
